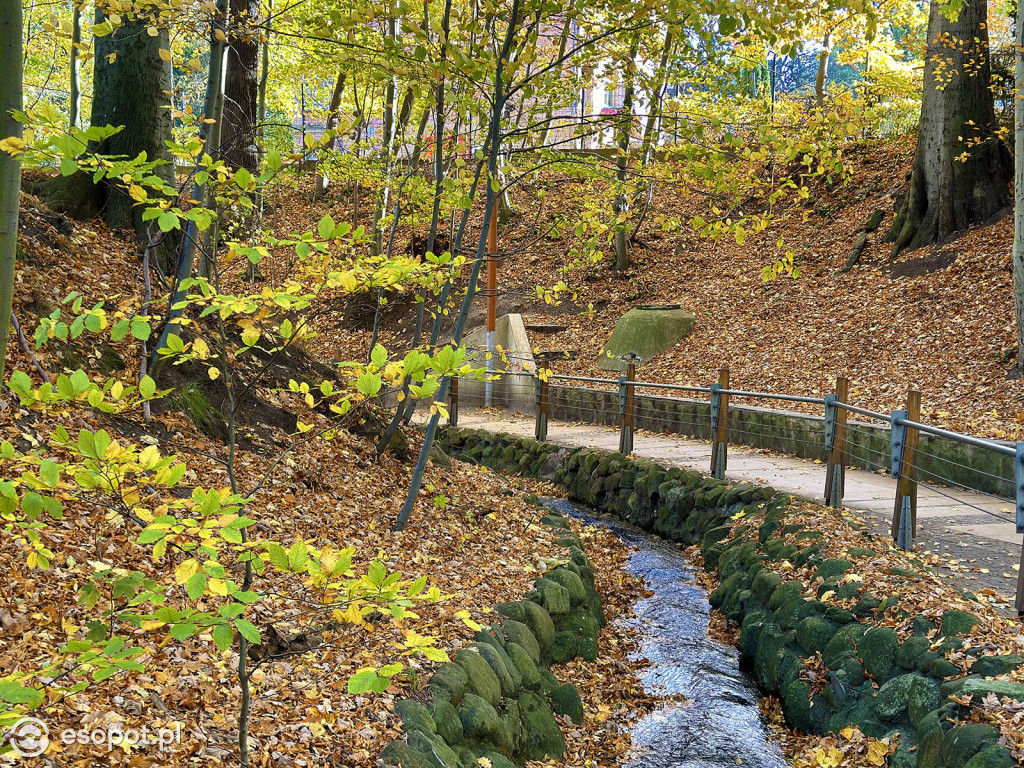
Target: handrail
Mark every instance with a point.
(770, 396)
(977, 442)
(679, 387)
(864, 411)
(584, 378)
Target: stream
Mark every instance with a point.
(720, 724)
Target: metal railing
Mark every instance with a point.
(901, 460)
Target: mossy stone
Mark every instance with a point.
(479, 718)
(508, 675)
(942, 668)
(802, 713)
(552, 596)
(834, 566)
(922, 627)
(399, 753)
(964, 741)
(838, 615)
(437, 751)
(520, 634)
(449, 681)
(877, 650)
(980, 688)
(813, 634)
(995, 756)
(860, 552)
(542, 737)
(496, 759)
(447, 722)
(841, 646)
(565, 700)
(415, 717)
(956, 622)
(764, 583)
(481, 679)
(784, 594)
(571, 582)
(536, 618)
(993, 666)
(893, 697)
(909, 651)
(922, 698)
(528, 672)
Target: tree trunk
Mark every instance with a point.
(625, 126)
(954, 184)
(75, 68)
(131, 83)
(241, 88)
(822, 75)
(332, 122)
(1018, 190)
(10, 166)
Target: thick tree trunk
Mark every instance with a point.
(1018, 190)
(10, 167)
(961, 169)
(131, 83)
(241, 87)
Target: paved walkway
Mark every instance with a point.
(972, 535)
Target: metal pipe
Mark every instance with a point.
(586, 378)
(977, 442)
(677, 387)
(863, 411)
(770, 396)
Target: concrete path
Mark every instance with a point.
(969, 536)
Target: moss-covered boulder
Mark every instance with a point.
(449, 681)
(877, 649)
(447, 722)
(480, 678)
(565, 700)
(520, 634)
(508, 676)
(438, 753)
(956, 622)
(415, 717)
(399, 753)
(922, 697)
(479, 718)
(528, 673)
(542, 737)
(536, 618)
(893, 697)
(993, 666)
(964, 741)
(813, 633)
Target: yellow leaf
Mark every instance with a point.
(877, 753)
(201, 348)
(218, 587)
(213, 372)
(165, 54)
(186, 570)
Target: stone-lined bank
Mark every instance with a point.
(497, 699)
(881, 668)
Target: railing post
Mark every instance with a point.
(719, 425)
(541, 429)
(835, 443)
(1018, 474)
(627, 407)
(453, 402)
(904, 442)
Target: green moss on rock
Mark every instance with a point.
(565, 700)
(481, 679)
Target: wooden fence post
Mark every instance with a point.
(835, 443)
(905, 439)
(720, 425)
(627, 406)
(541, 428)
(453, 402)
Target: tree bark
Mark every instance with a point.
(332, 122)
(131, 83)
(10, 166)
(625, 126)
(954, 184)
(1018, 190)
(75, 68)
(822, 74)
(241, 87)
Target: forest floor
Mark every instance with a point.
(939, 319)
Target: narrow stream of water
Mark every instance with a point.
(719, 725)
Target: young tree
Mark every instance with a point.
(10, 165)
(1018, 191)
(962, 168)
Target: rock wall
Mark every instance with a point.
(497, 699)
(869, 676)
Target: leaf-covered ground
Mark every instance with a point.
(471, 535)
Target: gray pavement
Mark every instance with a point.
(969, 536)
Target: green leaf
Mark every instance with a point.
(49, 472)
(183, 631)
(364, 680)
(168, 221)
(147, 387)
(68, 166)
(369, 384)
(379, 356)
(243, 178)
(223, 637)
(326, 227)
(376, 573)
(248, 630)
(196, 585)
(298, 555)
(278, 557)
(141, 329)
